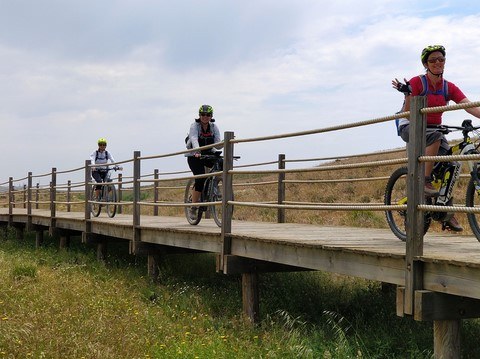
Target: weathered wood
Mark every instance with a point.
(281, 189)
(53, 196)
(239, 265)
(446, 339)
(64, 242)
(250, 297)
(38, 238)
(415, 193)
(102, 250)
(136, 206)
(400, 301)
(451, 262)
(439, 306)
(227, 194)
(153, 264)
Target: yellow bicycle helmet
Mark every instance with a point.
(102, 141)
(429, 49)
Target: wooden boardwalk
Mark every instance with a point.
(451, 262)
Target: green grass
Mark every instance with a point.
(66, 304)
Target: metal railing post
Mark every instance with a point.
(415, 194)
(227, 195)
(281, 188)
(136, 205)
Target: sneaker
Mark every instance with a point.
(452, 225)
(430, 191)
(193, 213)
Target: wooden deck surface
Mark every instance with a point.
(452, 262)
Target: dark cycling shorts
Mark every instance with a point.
(432, 135)
(197, 166)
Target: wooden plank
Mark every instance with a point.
(431, 306)
(451, 262)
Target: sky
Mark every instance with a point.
(136, 72)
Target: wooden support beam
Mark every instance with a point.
(446, 339)
(38, 238)
(19, 232)
(239, 265)
(64, 241)
(250, 297)
(440, 306)
(102, 250)
(153, 263)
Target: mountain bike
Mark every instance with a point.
(444, 177)
(108, 194)
(212, 192)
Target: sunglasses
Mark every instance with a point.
(102, 144)
(206, 114)
(435, 59)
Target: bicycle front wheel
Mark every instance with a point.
(95, 208)
(111, 196)
(396, 193)
(473, 200)
(192, 219)
(216, 190)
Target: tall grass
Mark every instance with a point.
(66, 304)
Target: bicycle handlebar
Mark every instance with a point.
(114, 168)
(465, 127)
(215, 157)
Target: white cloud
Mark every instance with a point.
(137, 72)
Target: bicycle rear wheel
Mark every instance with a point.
(111, 196)
(396, 193)
(188, 199)
(473, 200)
(95, 208)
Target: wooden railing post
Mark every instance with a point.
(53, 196)
(10, 201)
(88, 194)
(136, 205)
(227, 196)
(24, 196)
(155, 191)
(69, 194)
(415, 195)
(29, 201)
(120, 193)
(281, 188)
(37, 195)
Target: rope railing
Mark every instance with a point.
(326, 168)
(138, 182)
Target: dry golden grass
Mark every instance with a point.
(250, 188)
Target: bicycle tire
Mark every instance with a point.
(95, 208)
(188, 199)
(215, 194)
(396, 193)
(111, 196)
(472, 199)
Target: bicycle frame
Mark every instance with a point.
(444, 175)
